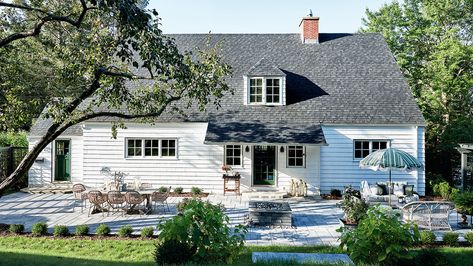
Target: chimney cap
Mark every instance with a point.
(310, 13)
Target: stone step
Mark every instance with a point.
(60, 188)
(263, 195)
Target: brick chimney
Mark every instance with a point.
(309, 27)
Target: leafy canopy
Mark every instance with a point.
(432, 42)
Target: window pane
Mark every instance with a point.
(366, 144)
(292, 152)
(172, 152)
(276, 82)
(236, 161)
(292, 162)
(131, 143)
(357, 144)
(383, 144)
(299, 162)
(365, 153)
(138, 151)
(269, 82)
(358, 154)
(131, 152)
(147, 143)
(147, 152)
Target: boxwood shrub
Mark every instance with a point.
(61, 230)
(39, 229)
(102, 230)
(147, 232)
(427, 237)
(125, 231)
(450, 238)
(82, 230)
(16, 228)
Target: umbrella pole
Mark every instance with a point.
(389, 187)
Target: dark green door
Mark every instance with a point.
(62, 160)
(264, 165)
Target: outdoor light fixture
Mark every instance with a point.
(281, 149)
(247, 149)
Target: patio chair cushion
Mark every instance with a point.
(398, 188)
(408, 190)
(375, 190)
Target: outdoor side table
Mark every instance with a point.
(234, 178)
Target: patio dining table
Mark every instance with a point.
(145, 193)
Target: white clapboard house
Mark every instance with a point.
(308, 106)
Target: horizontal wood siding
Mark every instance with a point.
(197, 164)
(310, 173)
(41, 172)
(339, 168)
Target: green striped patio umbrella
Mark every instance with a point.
(390, 159)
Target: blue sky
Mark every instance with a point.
(259, 16)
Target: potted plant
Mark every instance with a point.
(464, 205)
(226, 168)
(353, 206)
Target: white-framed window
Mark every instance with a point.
(134, 148)
(233, 155)
(362, 148)
(295, 156)
(150, 148)
(265, 91)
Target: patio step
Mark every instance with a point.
(64, 188)
(269, 195)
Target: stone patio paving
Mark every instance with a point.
(314, 221)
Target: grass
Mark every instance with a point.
(23, 250)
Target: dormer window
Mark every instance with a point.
(265, 91)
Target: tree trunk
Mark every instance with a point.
(29, 159)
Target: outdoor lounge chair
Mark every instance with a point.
(116, 201)
(134, 201)
(79, 196)
(97, 201)
(161, 198)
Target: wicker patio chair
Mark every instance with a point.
(79, 196)
(134, 201)
(116, 201)
(161, 199)
(97, 201)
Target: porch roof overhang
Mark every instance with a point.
(256, 132)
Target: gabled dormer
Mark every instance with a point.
(264, 84)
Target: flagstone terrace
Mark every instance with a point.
(314, 221)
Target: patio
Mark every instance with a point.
(315, 221)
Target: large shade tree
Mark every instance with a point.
(432, 42)
(109, 57)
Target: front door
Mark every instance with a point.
(264, 165)
(62, 160)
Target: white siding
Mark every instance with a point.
(41, 172)
(339, 168)
(197, 164)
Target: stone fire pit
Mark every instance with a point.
(270, 213)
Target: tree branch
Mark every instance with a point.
(48, 18)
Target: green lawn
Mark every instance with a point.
(24, 250)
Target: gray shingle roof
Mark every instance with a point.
(345, 79)
(264, 68)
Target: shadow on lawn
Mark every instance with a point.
(24, 259)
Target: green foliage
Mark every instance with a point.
(178, 190)
(431, 41)
(103, 230)
(82, 230)
(61, 230)
(464, 202)
(469, 237)
(39, 229)
(205, 228)
(379, 238)
(336, 193)
(182, 204)
(16, 228)
(450, 239)
(172, 251)
(431, 257)
(444, 190)
(125, 231)
(196, 191)
(4, 227)
(353, 206)
(163, 189)
(427, 237)
(147, 232)
(14, 139)
(69, 70)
